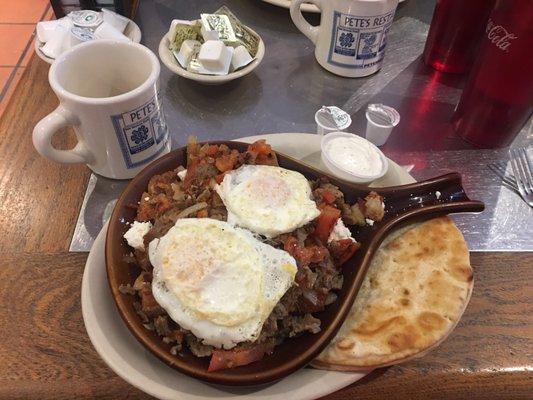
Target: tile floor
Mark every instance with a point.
(17, 31)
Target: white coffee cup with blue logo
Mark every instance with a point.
(351, 38)
(108, 92)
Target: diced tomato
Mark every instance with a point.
(291, 245)
(260, 147)
(261, 154)
(226, 162)
(224, 359)
(219, 178)
(212, 150)
(328, 197)
(145, 212)
(307, 254)
(316, 253)
(325, 222)
(202, 213)
(343, 249)
(163, 203)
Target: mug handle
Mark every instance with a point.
(305, 27)
(47, 127)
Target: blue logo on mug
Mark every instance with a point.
(358, 41)
(140, 130)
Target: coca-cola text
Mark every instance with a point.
(500, 36)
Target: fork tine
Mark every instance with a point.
(527, 167)
(494, 168)
(522, 169)
(511, 187)
(497, 168)
(501, 165)
(518, 171)
(509, 176)
(509, 181)
(503, 169)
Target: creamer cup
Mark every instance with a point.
(379, 132)
(341, 120)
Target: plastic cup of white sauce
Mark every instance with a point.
(353, 158)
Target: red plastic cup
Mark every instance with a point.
(454, 34)
(498, 96)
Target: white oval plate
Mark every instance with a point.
(131, 361)
(132, 31)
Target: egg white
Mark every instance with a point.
(267, 200)
(218, 281)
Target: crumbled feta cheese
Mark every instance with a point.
(182, 174)
(134, 236)
(369, 221)
(146, 198)
(340, 232)
(437, 194)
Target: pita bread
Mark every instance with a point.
(415, 292)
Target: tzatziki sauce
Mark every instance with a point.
(355, 155)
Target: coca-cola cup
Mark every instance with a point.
(498, 96)
(454, 34)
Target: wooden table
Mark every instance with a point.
(45, 352)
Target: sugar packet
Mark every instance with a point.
(184, 30)
(220, 23)
(242, 34)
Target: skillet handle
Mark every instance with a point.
(431, 198)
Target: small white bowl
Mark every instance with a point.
(344, 174)
(170, 62)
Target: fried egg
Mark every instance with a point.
(218, 281)
(267, 200)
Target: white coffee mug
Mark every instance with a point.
(108, 91)
(351, 38)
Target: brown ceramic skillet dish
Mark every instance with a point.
(403, 204)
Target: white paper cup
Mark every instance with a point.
(378, 133)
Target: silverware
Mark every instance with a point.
(499, 170)
(522, 170)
